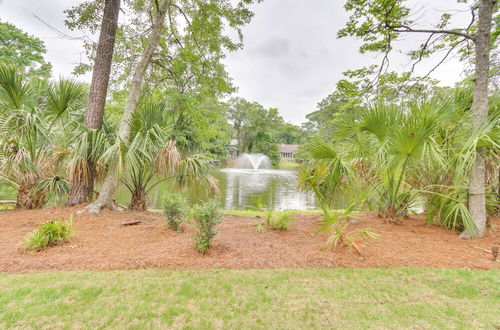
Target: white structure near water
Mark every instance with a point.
(287, 151)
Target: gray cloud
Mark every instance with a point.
(291, 58)
(306, 59)
(274, 47)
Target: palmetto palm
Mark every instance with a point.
(29, 126)
(399, 153)
(327, 175)
(384, 144)
(152, 157)
(446, 186)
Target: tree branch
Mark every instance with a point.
(437, 65)
(404, 28)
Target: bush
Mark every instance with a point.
(49, 233)
(175, 210)
(205, 217)
(279, 220)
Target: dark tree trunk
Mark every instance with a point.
(26, 199)
(477, 180)
(82, 190)
(102, 65)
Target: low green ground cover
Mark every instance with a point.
(272, 299)
(288, 165)
(262, 213)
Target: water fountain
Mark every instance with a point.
(251, 179)
(253, 161)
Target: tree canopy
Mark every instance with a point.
(23, 50)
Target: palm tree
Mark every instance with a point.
(402, 153)
(152, 157)
(327, 174)
(445, 186)
(30, 113)
(390, 141)
(84, 149)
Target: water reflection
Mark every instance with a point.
(246, 188)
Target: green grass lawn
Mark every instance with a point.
(312, 298)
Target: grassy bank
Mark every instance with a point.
(313, 298)
(288, 165)
(254, 213)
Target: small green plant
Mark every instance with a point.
(205, 217)
(49, 233)
(279, 220)
(259, 226)
(175, 210)
(7, 206)
(335, 223)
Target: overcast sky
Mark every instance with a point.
(291, 58)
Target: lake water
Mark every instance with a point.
(240, 189)
(248, 188)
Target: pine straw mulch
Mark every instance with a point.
(101, 243)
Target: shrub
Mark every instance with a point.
(205, 217)
(175, 210)
(279, 220)
(49, 233)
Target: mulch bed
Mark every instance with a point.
(101, 243)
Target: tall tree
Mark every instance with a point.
(102, 65)
(479, 112)
(379, 23)
(107, 192)
(82, 183)
(24, 51)
(238, 112)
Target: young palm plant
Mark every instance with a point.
(326, 175)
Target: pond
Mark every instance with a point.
(262, 188)
(240, 189)
(243, 189)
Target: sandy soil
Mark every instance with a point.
(101, 243)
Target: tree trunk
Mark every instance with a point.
(28, 200)
(108, 189)
(238, 138)
(138, 201)
(102, 65)
(479, 114)
(82, 190)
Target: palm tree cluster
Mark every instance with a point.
(45, 150)
(395, 157)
